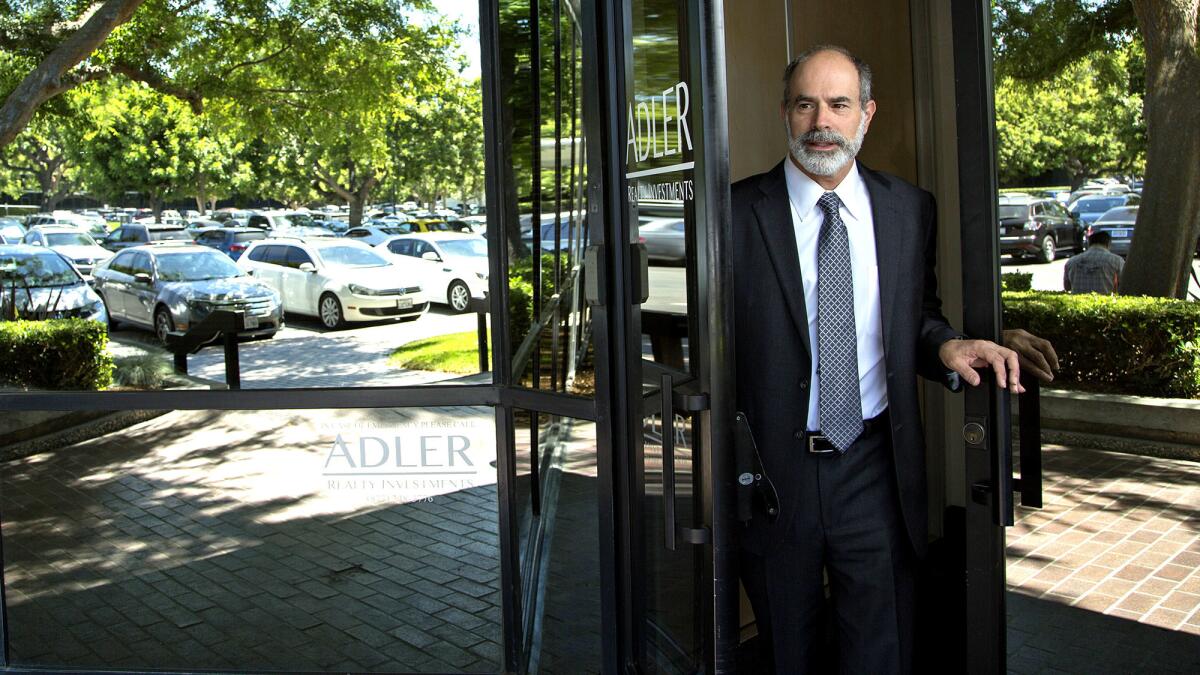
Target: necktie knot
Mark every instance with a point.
(829, 204)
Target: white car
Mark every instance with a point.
(452, 266)
(74, 244)
(335, 280)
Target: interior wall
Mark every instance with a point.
(756, 51)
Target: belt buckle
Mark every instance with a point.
(813, 439)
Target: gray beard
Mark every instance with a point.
(826, 162)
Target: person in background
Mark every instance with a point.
(1096, 270)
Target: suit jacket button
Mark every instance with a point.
(799, 435)
(804, 384)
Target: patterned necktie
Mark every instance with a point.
(837, 356)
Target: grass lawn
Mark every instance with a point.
(452, 353)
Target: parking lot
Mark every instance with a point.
(1049, 276)
(306, 354)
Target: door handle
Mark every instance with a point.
(672, 531)
(1030, 433)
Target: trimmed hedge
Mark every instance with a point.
(64, 354)
(1115, 344)
(1016, 281)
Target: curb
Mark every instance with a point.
(78, 433)
(1161, 427)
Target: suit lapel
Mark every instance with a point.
(774, 216)
(891, 231)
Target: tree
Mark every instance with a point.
(1038, 38)
(191, 50)
(44, 157)
(142, 142)
(436, 142)
(1084, 119)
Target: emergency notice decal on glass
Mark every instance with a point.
(659, 133)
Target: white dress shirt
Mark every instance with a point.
(807, 217)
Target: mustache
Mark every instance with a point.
(823, 136)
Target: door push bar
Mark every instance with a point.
(673, 531)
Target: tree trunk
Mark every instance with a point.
(156, 206)
(1168, 222)
(49, 78)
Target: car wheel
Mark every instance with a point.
(330, 311)
(1047, 251)
(458, 296)
(163, 324)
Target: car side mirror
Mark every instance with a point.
(141, 278)
(307, 267)
(431, 256)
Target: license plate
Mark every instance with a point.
(251, 322)
(1120, 234)
(404, 303)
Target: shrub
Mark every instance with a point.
(1124, 345)
(1016, 281)
(55, 354)
(145, 371)
(520, 310)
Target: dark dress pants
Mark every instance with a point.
(848, 524)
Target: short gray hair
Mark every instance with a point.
(864, 71)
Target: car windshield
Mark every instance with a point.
(391, 229)
(1013, 211)
(351, 256)
(69, 239)
(299, 219)
(196, 266)
(464, 248)
(36, 270)
(1098, 205)
(169, 235)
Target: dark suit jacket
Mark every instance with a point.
(773, 352)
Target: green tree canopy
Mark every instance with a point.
(1087, 119)
(1039, 39)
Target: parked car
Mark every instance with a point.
(1118, 222)
(335, 280)
(664, 238)
(1040, 228)
(137, 234)
(67, 219)
(452, 266)
(375, 232)
(1088, 209)
(39, 283)
(232, 241)
(172, 287)
(74, 244)
(280, 221)
(12, 229)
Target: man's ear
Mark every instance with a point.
(869, 111)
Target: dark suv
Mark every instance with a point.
(232, 241)
(1039, 228)
(135, 234)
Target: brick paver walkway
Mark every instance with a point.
(1106, 577)
(221, 540)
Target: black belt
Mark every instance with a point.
(819, 444)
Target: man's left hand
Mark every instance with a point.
(964, 356)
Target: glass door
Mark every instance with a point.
(675, 185)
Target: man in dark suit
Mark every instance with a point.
(837, 312)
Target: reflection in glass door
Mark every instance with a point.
(671, 190)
